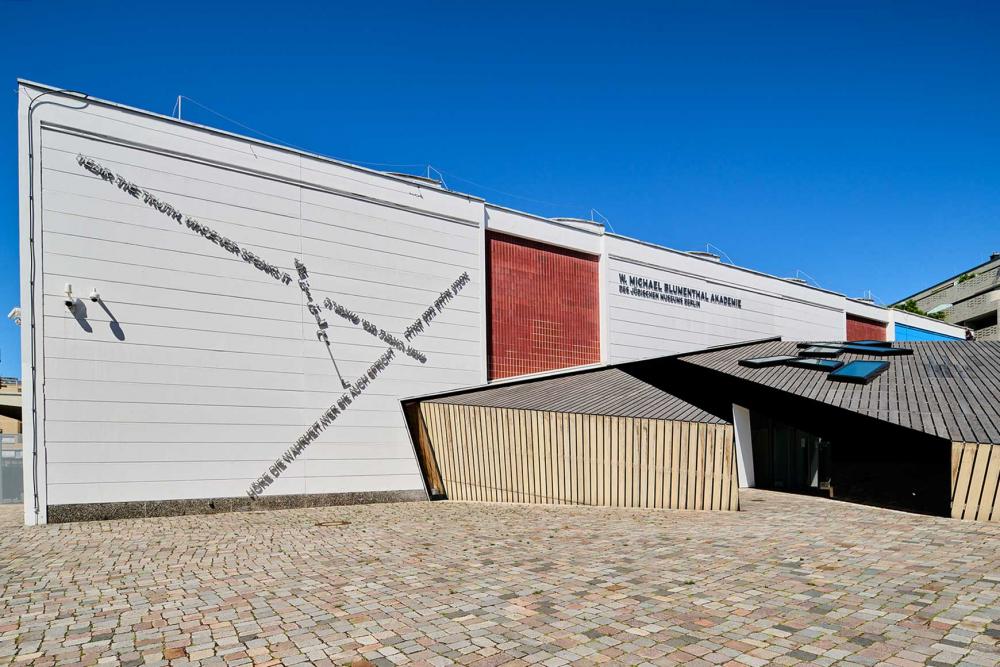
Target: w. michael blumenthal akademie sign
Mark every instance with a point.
(645, 288)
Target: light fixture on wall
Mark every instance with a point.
(95, 296)
(70, 300)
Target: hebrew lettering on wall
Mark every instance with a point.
(396, 346)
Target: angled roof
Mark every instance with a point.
(949, 389)
(610, 391)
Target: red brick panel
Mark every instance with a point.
(858, 328)
(544, 310)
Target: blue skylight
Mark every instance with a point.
(861, 372)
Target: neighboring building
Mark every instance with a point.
(970, 299)
(911, 426)
(10, 405)
(216, 322)
(11, 473)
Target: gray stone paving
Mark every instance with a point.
(791, 580)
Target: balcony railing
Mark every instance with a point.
(958, 291)
(988, 333)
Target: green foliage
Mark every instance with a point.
(965, 276)
(912, 307)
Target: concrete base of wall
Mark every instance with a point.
(139, 509)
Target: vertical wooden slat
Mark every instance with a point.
(569, 456)
(624, 460)
(656, 439)
(601, 462)
(609, 463)
(522, 457)
(509, 440)
(555, 445)
(502, 478)
(579, 450)
(734, 483)
(486, 451)
(964, 475)
(649, 444)
(460, 466)
(667, 438)
(559, 458)
(594, 451)
(995, 513)
(445, 430)
(535, 456)
(682, 465)
(546, 440)
(704, 458)
(718, 471)
(727, 467)
(450, 462)
(956, 460)
(587, 460)
(648, 461)
(507, 454)
(527, 454)
(709, 430)
(482, 468)
(502, 444)
(991, 487)
(632, 466)
(544, 484)
(439, 443)
(979, 467)
(614, 460)
(638, 465)
(465, 451)
(709, 470)
(676, 435)
(699, 470)
(692, 467)
(582, 459)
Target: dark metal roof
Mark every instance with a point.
(949, 389)
(603, 391)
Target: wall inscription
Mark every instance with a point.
(646, 288)
(353, 389)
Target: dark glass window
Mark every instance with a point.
(821, 351)
(763, 362)
(816, 364)
(861, 372)
(872, 350)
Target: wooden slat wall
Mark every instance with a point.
(975, 481)
(508, 455)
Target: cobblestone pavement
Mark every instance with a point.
(790, 580)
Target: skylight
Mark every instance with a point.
(860, 372)
(764, 362)
(816, 364)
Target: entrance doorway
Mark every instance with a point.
(786, 458)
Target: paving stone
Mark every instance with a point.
(791, 580)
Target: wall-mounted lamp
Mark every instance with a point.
(15, 316)
(95, 296)
(70, 300)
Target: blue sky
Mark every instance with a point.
(855, 141)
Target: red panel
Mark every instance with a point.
(859, 328)
(544, 307)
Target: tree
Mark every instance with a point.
(911, 306)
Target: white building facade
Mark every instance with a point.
(211, 321)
